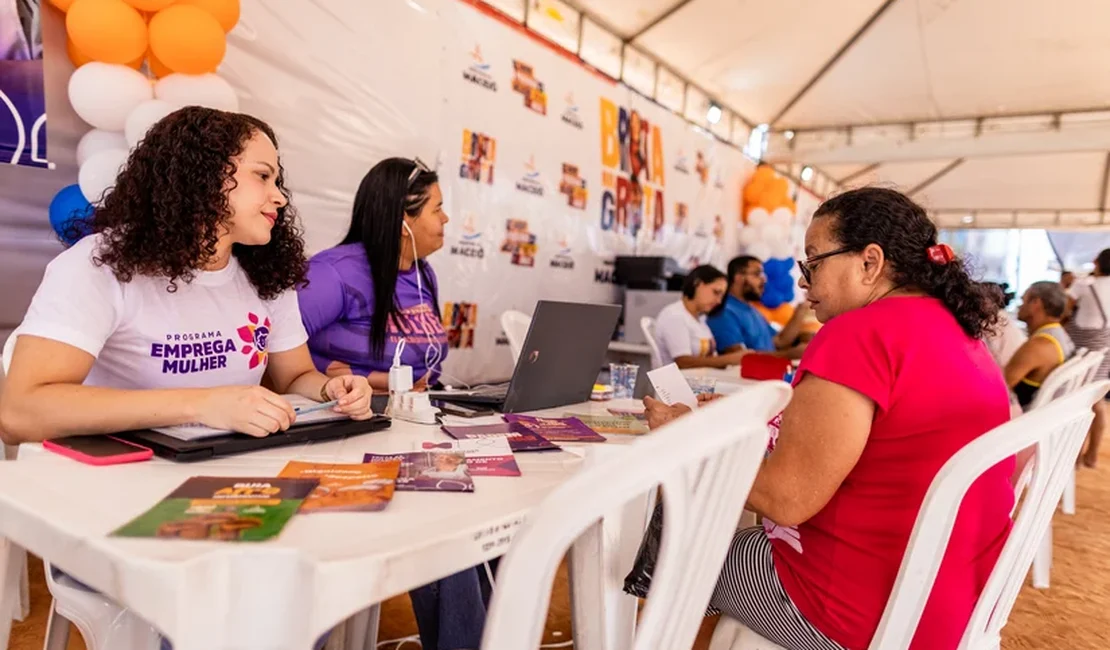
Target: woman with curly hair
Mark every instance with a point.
(896, 382)
(179, 300)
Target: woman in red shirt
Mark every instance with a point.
(895, 383)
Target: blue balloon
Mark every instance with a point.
(780, 282)
(69, 204)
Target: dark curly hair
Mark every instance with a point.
(891, 220)
(166, 211)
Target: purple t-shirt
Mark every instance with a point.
(338, 302)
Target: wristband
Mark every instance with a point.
(324, 392)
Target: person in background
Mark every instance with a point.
(1007, 337)
(180, 300)
(1089, 327)
(680, 330)
(1067, 279)
(376, 287)
(362, 298)
(1048, 346)
(868, 427)
(738, 325)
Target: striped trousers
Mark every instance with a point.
(749, 591)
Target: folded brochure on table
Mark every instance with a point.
(490, 456)
(432, 470)
(351, 487)
(520, 437)
(232, 509)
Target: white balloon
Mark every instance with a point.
(758, 216)
(760, 250)
(197, 90)
(143, 117)
(96, 141)
(748, 236)
(782, 249)
(782, 215)
(99, 173)
(104, 94)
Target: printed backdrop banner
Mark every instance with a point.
(548, 169)
(22, 99)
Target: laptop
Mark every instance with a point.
(188, 451)
(559, 363)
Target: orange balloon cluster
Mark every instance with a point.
(767, 190)
(186, 36)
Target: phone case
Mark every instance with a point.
(140, 454)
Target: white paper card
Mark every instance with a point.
(671, 387)
(197, 431)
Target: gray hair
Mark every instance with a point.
(1051, 295)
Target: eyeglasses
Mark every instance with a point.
(806, 265)
(418, 168)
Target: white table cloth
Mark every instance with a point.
(322, 568)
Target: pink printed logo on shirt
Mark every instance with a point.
(256, 336)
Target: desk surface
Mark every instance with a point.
(319, 570)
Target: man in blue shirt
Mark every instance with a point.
(737, 325)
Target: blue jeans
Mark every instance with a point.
(451, 612)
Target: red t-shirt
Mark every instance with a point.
(935, 390)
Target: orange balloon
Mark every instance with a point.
(754, 190)
(156, 67)
(764, 171)
(64, 5)
(187, 39)
(779, 188)
(79, 59)
(149, 5)
(225, 11)
(110, 31)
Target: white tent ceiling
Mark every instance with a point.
(981, 105)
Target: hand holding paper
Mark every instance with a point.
(671, 387)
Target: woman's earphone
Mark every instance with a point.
(434, 354)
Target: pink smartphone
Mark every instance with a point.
(98, 450)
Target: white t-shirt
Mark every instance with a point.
(213, 331)
(679, 334)
(1087, 313)
(1006, 340)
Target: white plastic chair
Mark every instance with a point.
(20, 584)
(515, 324)
(1066, 379)
(1056, 432)
(647, 324)
(706, 463)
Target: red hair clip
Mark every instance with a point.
(941, 254)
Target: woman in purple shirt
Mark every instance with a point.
(375, 288)
(362, 298)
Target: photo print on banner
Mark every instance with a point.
(22, 95)
(574, 187)
(479, 151)
(519, 242)
(525, 83)
(460, 319)
(632, 176)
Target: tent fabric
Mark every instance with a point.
(1016, 91)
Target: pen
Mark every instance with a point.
(302, 410)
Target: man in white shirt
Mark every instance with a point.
(1089, 327)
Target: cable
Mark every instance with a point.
(564, 644)
(401, 642)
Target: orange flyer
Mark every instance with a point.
(361, 487)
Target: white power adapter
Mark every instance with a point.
(404, 404)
